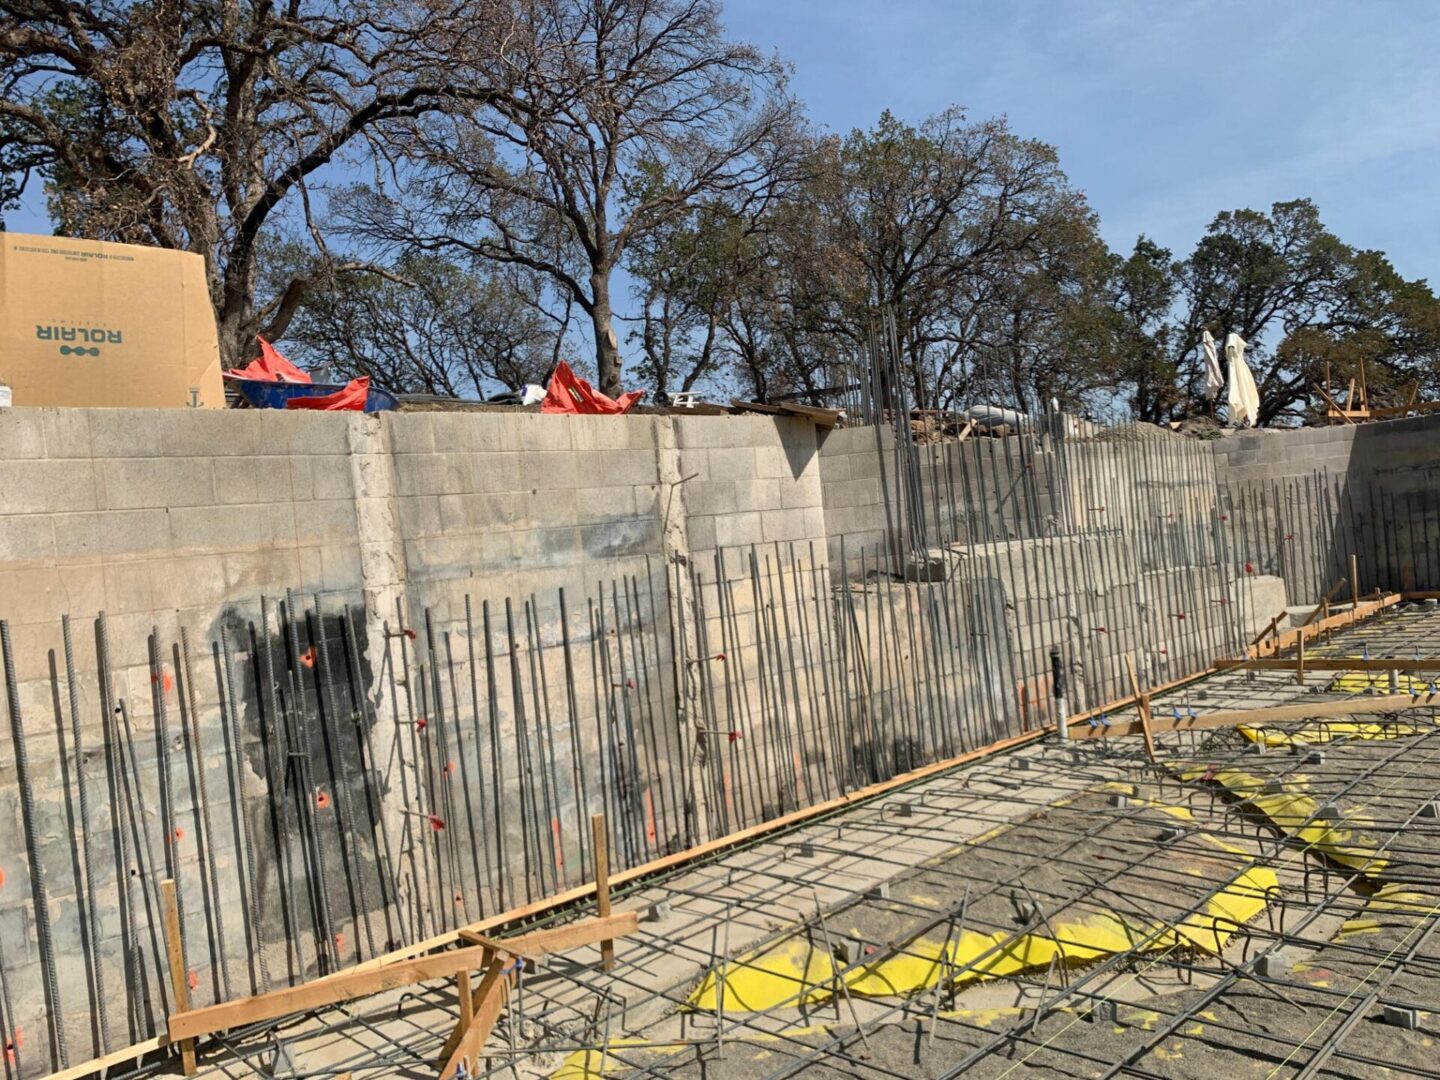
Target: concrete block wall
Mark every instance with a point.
(1365, 490)
(180, 520)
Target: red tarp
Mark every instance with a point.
(352, 397)
(271, 367)
(568, 393)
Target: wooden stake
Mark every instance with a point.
(1142, 706)
(463, 996)
(488, 1000)
(178, 982)
(602, 885)
(1300, 660)
(1354, 582)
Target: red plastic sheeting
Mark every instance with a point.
(351, 398)
(271, 367)
(568, 393)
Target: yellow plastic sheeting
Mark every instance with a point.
(772, 977)
(1290, 811)
(787, 973)
(1357, 682)
(1328, 731)
(1396, 904)
(1179, 813)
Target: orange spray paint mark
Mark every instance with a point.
(650, 816)
(559, 845)
(322, 800)
(164, 680)
(193, 979)
(308, 657)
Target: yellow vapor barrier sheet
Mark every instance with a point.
(782, 974)
(1294, 813)
(1322, 731)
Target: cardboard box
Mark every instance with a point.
(88, 323)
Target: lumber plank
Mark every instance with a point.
(601, 848)
(345, 986)
(489, 999)
(539, 943)
(469, 1004)
(1142, 707)
(1343, 663)
(1273, 714)
(174, 953)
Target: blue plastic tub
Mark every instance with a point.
(274, 395)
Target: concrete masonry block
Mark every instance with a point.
(621, 539)
(699, 432)
(117, 534)
(800, 494)
(303, 433)
(459, 514)
(772, 463)
(22, 433)
(41, 487)
(595, 506)
(259, 479)
(866, 465)
(207, 432)
(852, 493)
(700, 533)
(67, 433)
(547, 509)
(531, 432)
(738, 529)
(763, 495)
(731, 463)
(588, 433)
(27, 538)
(619, 467)
(325, 521)
(783, 525)
(412, 433)
(139, 483)
(227, 528)
(549, 471)
(834, 468)
(709, 497)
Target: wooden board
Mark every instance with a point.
(344, 986)
(1343, 663)
(540, 943)
(485, 1010)
(1275, 714)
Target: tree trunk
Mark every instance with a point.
(607, 348)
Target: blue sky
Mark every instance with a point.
(1164, 112)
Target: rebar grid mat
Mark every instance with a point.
(1259, 999)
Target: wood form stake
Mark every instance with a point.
(602, 885)
(1142, 706)
(177, 968)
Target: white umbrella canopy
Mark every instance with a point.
(1214, 381)
(1241, 395)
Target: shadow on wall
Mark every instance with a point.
(315, 840)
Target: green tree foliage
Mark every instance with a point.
(427, 326)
